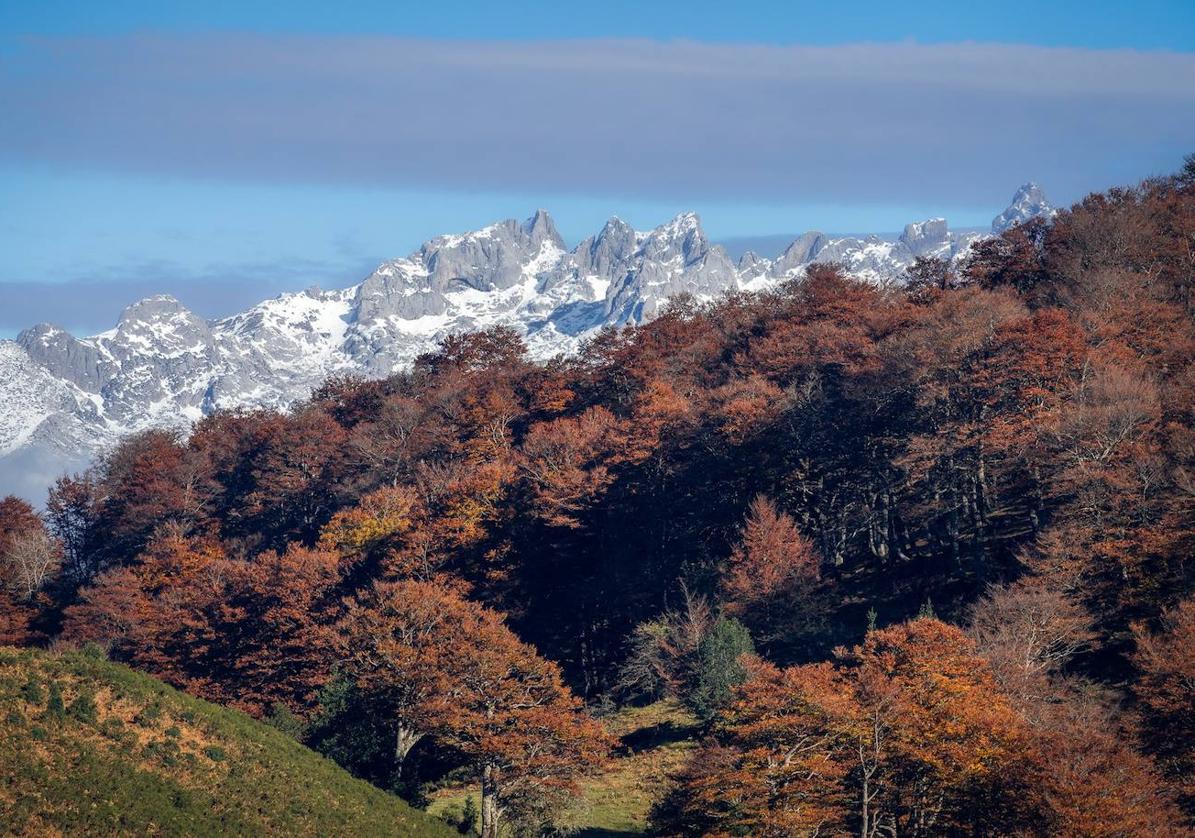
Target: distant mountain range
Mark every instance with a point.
(64, 399)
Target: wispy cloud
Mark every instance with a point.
(895, 122)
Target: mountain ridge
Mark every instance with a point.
(65, 399)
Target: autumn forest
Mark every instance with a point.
(919, 559)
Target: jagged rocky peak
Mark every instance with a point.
(531, 233)
(1029, 202)
(43, 334)
(609, 251)
(492, 258)
(159, 323)
(922, 236)
(672, 259)
(541, 228)
(804, 249)
(681, 237)
(750, 260)
(615, 230)
(153, 309)
(752, 267)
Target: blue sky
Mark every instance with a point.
(225, 151)
(1141, 24)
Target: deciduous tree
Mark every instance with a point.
(29, 559)
(446, 666)
(247, 633)
(772, 579)
(907, 735)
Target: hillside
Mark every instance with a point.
(124, 753)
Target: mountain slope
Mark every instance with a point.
(138, 757)
(63, 399)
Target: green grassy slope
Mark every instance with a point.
(122, 753)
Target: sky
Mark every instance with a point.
(228, 151)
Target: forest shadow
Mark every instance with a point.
(658, 735)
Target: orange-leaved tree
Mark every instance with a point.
(399, 641)
(777, 766)
(247, 633)
(29, 559)
(906, 735)
(1092, 781)
(442, 665)
(772, 578)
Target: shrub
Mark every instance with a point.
(113, 728)
(55, 708)
(719, 667)
(282, 718)
(94, 651)
(149, 714)
(33, 692)
(83, 708)
(468, 822)
(166, 751)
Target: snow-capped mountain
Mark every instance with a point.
(63, 399)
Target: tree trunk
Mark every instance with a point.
(404, 741)
(864, 811)
(489, 803)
